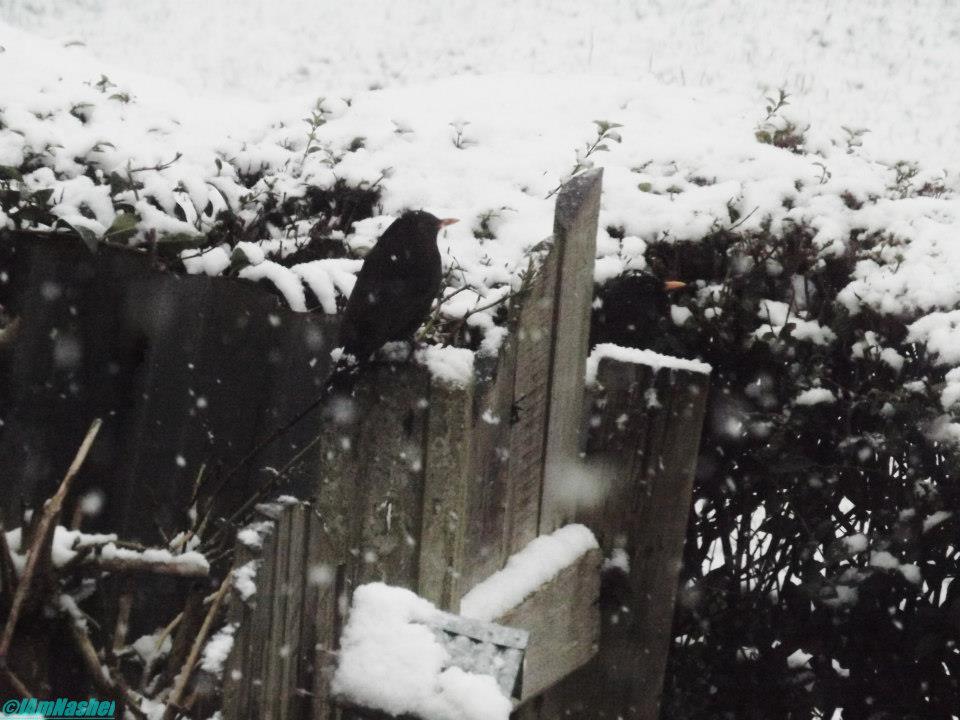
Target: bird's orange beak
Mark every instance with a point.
(673, 285)
(449, 221)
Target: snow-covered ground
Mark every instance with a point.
(888, 66)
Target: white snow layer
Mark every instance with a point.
(538, 563)
(815, 396)
(391, 661)
(449, 365)
(63, 549)
(217, 650)
(639, 357)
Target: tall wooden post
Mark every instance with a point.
(575, 238)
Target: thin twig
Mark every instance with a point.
(172, 568)
(8, 572)
(16, 683)
(42, 540)
(101, 677)
(173, 702)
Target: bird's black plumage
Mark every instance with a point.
(631, 310)
(396, 286)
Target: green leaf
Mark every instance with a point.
(8, 172)
(238, 260)
(645, 187)
(88, 236)
(123, 227)
(42, 197)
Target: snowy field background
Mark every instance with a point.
(888, 66)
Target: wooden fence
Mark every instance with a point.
(433, 487)
(427, 485)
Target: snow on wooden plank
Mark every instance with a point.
(549, 588)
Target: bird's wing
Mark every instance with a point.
(380, 311)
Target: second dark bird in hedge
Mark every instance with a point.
(631, 311)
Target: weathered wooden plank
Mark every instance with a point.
(392, 403)
(251, 636)
(446, 479)
(237, 686)
(277, 597)
(287, 632)
(325, 577)
(488, 486)
(534, 328)
(563, 622)
(291, 638)
(575, 237)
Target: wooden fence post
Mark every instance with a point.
(642, 446)
(575, 238)
(447, 465)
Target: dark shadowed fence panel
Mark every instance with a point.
(186, 371)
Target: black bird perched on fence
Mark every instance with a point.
(396, 286)
(631, 310)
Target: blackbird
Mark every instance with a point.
(396, 286)
(631, 310)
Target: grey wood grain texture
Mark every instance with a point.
(287, 629)
(446, 480)
(531, 390)
(575, 235)
(564, 624)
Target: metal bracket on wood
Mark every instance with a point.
(483, 647)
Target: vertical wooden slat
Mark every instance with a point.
(277, 597)
(575, 237)
(387, 506)
(446, 478)
(324, 575)
(291, 638)
(534, 338)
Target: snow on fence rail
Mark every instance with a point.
(430, 482)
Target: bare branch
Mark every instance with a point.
(42, 540)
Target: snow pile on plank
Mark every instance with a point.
(639, 357)
(536, 564)
(391, 661)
